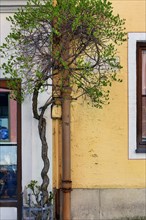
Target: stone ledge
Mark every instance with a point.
(108, 204)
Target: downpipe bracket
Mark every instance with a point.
(66, 186)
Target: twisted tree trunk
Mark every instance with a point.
(42, 135)
(45, 178)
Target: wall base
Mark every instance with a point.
(107, 204)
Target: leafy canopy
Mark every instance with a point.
(76, 40)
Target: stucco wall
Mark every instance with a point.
(100, 137)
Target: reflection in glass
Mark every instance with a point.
(8, 117)
(8, 146)
(8, 172)
(144, 72)
(4, 121)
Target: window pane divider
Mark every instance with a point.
(8, 144)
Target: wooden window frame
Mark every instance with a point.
(141, 145)
(15, 203)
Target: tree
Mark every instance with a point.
(70, 47)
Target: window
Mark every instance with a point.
(136, 151)
(10, 148)
(141, 97)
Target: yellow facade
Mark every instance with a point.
(99, 138)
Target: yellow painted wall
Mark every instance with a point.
(100, 137)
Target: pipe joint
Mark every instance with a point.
(66, 92)
(66, 186)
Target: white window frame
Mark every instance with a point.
(133, 38)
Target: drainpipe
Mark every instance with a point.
(63, 203)
(66, 155)
(66, 151)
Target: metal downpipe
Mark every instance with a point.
(66, 156)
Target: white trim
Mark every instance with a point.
(8, 9)
(11, 6)
(12, 2)
(132, 39)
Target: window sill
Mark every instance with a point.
(136, 154)
(141, 150)
(8, 143)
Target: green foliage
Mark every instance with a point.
(36, 191)
(75, 40)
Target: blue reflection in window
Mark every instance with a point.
(4, 116)
(4, 133)
(8, 172)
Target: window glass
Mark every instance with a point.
(4, 125)
(143, 95)
(8, 146)
(8, 172)
(8, 115)
(143, 72)
(143, 118)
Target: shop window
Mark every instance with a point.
(10, 148)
